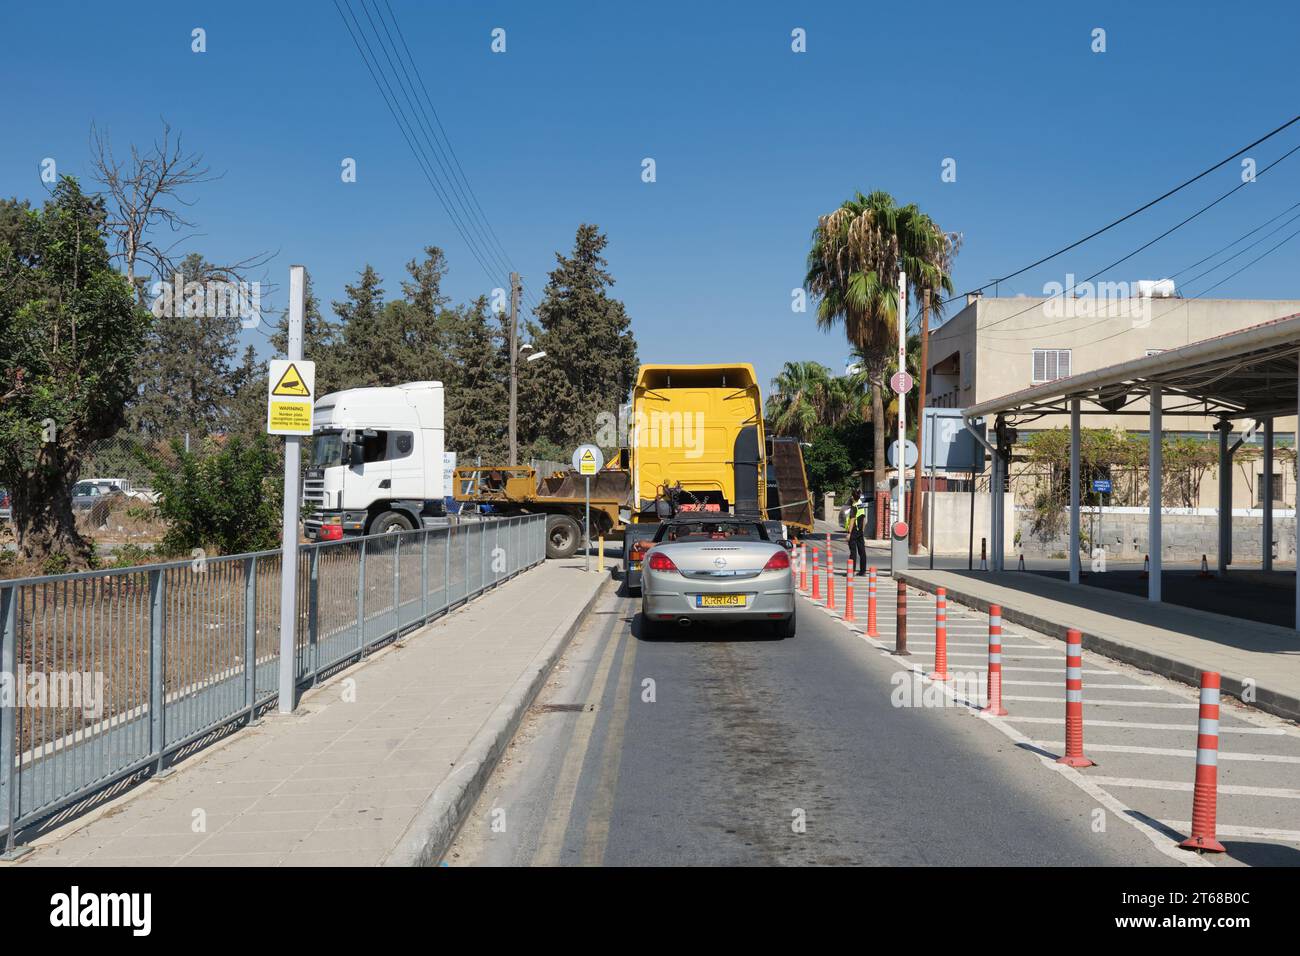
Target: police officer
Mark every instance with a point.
(857, 533)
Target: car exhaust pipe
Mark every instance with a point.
(683, 622)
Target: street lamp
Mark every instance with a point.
(529, 356)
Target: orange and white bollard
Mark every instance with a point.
(1074, 702)
(1205, 568)
(848, 593)
(1205, 794)
(871, 604)
(816, 588)
(1146, 566)
(830, 580)
(803, 568)
(940, 672)
(995, 663)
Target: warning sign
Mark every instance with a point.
(290, 397)
(291, 384)
(588, 460)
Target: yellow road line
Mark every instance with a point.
(551, 843)
(602, 803)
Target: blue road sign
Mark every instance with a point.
(1101, 486)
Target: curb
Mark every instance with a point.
(437, 822)
(1286, 706)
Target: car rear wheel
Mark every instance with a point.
(650, 630)
(562, 536)
(784, 629)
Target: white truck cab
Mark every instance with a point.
(376, 461)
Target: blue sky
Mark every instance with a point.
(751, 140)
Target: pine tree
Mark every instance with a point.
(364, 355)
(591, 353)
(477, 386)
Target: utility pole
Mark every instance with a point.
(514, 368)
(915, 529)
(901, 510)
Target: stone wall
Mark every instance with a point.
(1185, 537)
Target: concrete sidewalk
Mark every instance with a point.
(377, 766)
(1174, 641)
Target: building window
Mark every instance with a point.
(1051, 364)
(1259, 489)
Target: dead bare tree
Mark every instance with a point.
(146, 205)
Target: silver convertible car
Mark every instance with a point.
(716, 569)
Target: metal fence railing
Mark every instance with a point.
(106, 675)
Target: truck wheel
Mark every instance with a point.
(390, 522)
(562, 536)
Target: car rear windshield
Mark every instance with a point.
(712, 531)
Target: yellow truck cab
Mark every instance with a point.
(696, 443)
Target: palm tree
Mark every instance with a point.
(800, 399)
(853, 265)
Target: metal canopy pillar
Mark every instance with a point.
(993, 507)
(1297, 521)
(1074, 491)
(1155, 464)
(1266, 488)
(1224, 558)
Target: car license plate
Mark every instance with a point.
(720, 600)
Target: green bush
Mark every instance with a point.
(225, 498)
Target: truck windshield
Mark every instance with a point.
(326, 449)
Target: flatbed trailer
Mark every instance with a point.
(519, 490)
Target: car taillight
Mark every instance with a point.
(639, 548)
(778, 562)
(661, 562)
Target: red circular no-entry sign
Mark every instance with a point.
(900, 529)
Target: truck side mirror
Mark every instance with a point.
(356, 453)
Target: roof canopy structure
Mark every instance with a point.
(1251, 373)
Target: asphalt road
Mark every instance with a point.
(729, 747)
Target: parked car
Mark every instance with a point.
(716, 569)
(128, 488)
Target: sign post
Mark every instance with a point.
(290, 393)
(901, 383)
(587, 461)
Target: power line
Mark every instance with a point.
(1130, 255)
(464, 179)
(1128, 216)
(390, 100)
(1184, 302)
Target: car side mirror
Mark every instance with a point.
(787, 544)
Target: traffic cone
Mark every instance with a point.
(1074, 702)
(871, 604)
(848, 593)
(995, 663)
(984, 564)
(1146, 566)
(816, 589)
(1205, 794)
(1205, 568)
(940, 635)
(1021, 565)
(830, 580)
